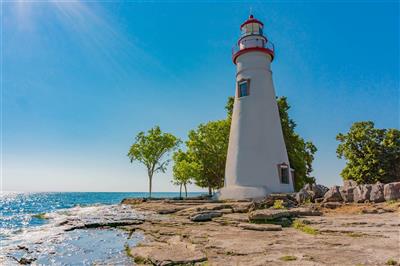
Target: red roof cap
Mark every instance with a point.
(251, 19)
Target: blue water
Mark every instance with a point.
(17, 210)
(22, 235)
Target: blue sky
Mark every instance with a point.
(80, 80)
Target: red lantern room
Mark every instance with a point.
(252, 39)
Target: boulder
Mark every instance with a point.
(205, 216)
(376, 194)
(333, 195)
(260, 227)
(347, 193)
(310, 192)
(303, 195)
(289, 200)
(319, 190)
(391, 191)
(349, 183)
(362, 193)
(319, 200)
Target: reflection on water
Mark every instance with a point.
(78, 247)
(42, 227)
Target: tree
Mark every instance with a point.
(151, 149)
(372, 154)
(300, 152)
(184, 170)
(208, 146)
(229, 107)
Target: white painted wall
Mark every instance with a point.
(256, 144)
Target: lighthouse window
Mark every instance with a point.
(283, 173)
(243, 88)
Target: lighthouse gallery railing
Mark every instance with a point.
(253, 43)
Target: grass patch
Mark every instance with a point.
(140, 260)
(391, 262)
(304, 228)
(41, 216)
(307, 201)
(278, 204)
(355, 234)
(288, 258)
(391, 202)
(128, 251)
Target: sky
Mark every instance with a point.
(81, 79)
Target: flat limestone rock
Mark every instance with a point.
(260, 227)
(302, 211)
(241, 207)
(133, 201)
(268, 214)
(205, 216)
(331, 205)
(170, 253)
(271, 214)
(169, 210)
(345, 231)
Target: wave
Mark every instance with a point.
(51, 243)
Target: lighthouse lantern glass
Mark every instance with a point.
(252, 28)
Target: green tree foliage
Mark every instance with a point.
(184, 170)
(229, 107)
(300, 152)
(372, 154)
(150, 149)
(207, 147)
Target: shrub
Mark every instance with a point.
(278, 204)
(391, 262)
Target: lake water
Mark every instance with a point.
(25, 234)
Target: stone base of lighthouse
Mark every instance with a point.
(242, 192)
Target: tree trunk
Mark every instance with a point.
(150, 184)
(210, 191)
(180, 191)
(185, 190)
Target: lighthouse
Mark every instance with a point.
(257, 161)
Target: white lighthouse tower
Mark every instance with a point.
(257, 162)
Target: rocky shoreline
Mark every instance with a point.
(278, 229)
(274, 231)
